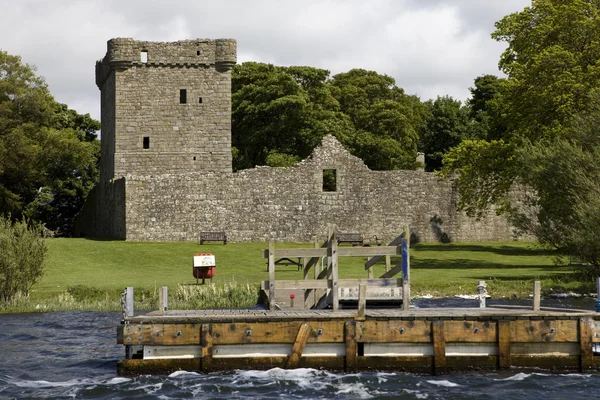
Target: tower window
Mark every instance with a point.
(329, 180)
(198, 52)
(144, 56)
(200, 100)
(182, 96)
(146, 143)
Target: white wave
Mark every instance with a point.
(117, 380)
(183, 373)
(48, 384)
(518, 377)
(444, 383)
(417, 394)
(356, 390)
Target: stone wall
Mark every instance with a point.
(289, 204)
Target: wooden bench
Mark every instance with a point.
(213, 237)
(353, 238)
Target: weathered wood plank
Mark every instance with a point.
(207, 343)
(276, 332)
(388, 331)
(351, 347)
(586, 343)
(504, 340)
(299, 345)
(271, 256)
(343, 252)
(537, 293)
(544, 331)
(439, 347)
(159, 334)
(323, 284)
(362, 300)
(470, 331)
(334, 252)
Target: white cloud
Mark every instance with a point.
(431, 47)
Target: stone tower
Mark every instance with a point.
(165, 107)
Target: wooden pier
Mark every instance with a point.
(422, 340)
(429, 340)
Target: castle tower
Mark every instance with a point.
(165, 107)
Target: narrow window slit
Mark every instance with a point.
(182, 96)
(146, 143)
(329, 180)
(144, 56)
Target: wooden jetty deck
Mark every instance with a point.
(430, 340)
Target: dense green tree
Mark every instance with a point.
(386, 120)
(548, 112)
(282, 112)
(48, 153)
(487, 120)
(447, 125)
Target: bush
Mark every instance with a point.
(22, 254)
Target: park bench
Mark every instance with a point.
(213, 237)
(353, 238)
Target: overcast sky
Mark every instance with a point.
(431, 47)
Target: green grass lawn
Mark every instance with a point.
(436, 269)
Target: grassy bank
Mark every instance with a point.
(90, 274)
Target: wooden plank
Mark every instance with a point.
(129, 301)
(334, 273)
(299, 345)
(439, 346)
(376, 258)
(392, 272)
(388, 331)
(537, 290)
(470, 331)
(362, 300)
(342, 252)
(271, 275)
(299, 252)
(504, 340)
(532, 331)
(586, 343)
(351, 347)
(163, 299)
(159, 334)
(596, 331)
(207, 343)
(276, 332)
(342, 283)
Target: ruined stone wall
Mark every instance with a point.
(289, 204)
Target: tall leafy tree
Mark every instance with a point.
(386, 120)
(48, 153)
(447, 125)
(546, 104)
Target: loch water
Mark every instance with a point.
(73, 355)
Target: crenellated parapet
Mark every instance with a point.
(220, 54)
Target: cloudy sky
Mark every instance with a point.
(431, 47)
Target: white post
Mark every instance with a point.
(163, 299)
(537, 292)
(482, 293)
(129, 302)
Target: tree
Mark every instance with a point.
(446, 126)
(386, 120)
(549, 110)
(49, 154)
(283, 112)
(487, 121)
(22, 254)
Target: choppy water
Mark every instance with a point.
(73, 355)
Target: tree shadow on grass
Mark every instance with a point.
(500, 250)
(432, 263)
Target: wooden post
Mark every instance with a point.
(503, 344)
(362, 300)
(271, 275)
(537, 290)
(305, 261)
(351, 347)
(206, 342)
(388, 263)
(439, 347)
(129, 302)
(405, 276)
(370, 270)
(316, 271)
(586, 344)
(299, 345)
(163, 299)
(334, 273)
